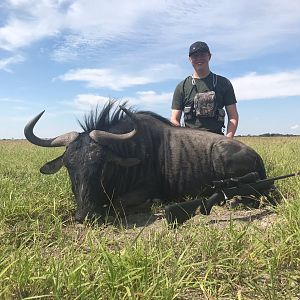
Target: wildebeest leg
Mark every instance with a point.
(233, 160)
(137, 201)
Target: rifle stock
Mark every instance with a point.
(178, 213)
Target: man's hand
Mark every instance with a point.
(175, 117)
(233, 120)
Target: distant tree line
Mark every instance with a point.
(271, 135)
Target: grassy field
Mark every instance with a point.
(232, 254)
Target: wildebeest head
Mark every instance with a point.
(85, 158)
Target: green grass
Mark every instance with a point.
(44, 254)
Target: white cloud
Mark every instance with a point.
(91, 21)
(143, 100)
(232, 29)
(112, 17)
(116, 80)
(239, 29)
(4, 100)
(5, 63)
(150, 99)
(296, 126)
(254, 86)
(103, 78)
(87, 101)
(251, 86)
(29, 22)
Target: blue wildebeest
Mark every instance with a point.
(123, 158)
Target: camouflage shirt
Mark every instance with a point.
(184, 97)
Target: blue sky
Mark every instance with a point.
(65, 56)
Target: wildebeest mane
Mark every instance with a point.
(110, 116)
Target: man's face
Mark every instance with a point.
(200, 60)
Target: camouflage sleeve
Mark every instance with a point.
(229, 95)
(178, 98)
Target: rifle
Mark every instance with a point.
(249, 184)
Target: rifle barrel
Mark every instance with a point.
(280, 177)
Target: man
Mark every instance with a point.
(203, 96)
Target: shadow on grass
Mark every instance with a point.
(127, 222)
(249, 216)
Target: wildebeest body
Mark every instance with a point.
(182, 161)
(157, 161)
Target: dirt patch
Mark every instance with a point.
(220, 216)
(121, 232)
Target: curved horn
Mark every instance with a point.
(105, 138)
(62, 140)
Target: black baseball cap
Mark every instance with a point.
(198, 47)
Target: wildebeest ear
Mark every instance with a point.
(52, 166)
(124, 162)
